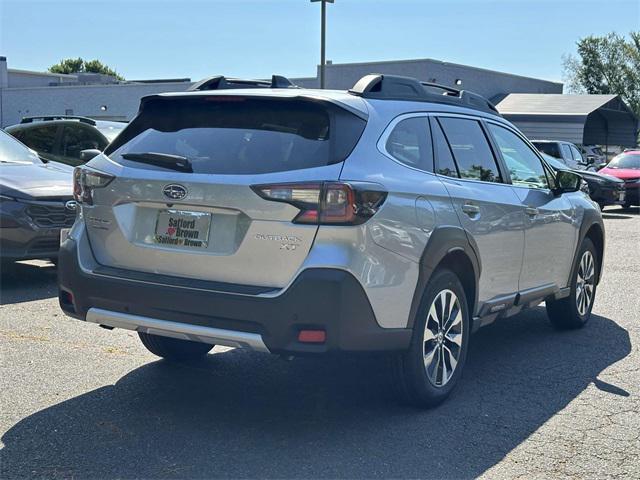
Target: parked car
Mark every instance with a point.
(63, 138)
(387, 218)
(567, 153)
(593, 154)
(35, 202)
(603, 189)
(626, 167)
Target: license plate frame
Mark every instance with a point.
(182, 229)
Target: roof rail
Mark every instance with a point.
(394, 87)
(48, 118)
(220, 82)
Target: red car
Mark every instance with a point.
(626, 166)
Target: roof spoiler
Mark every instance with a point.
(394, 87)
(48, 118)
(220, 82)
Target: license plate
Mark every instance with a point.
(179, 228)
(64, 233)
(622, 195)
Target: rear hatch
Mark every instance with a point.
(205, 222)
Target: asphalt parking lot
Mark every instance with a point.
(77, 401)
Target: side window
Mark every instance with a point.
(470, 148)
(76, 138)
(410, 143)
(524, 165)
(577, 156)
(41, 139)
(566, 152)
(444, 159)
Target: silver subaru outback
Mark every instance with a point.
(397, 217)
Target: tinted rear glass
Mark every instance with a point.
(238, 135)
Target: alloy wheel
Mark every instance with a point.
(585, 283)
(442, 341)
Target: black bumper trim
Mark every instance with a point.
(319, 298)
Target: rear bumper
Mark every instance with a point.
(319, 299)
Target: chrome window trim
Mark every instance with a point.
(497, 161)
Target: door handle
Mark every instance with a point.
(531, 211)
(470, 209)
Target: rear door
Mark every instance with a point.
(210, 224)
(487, 207)
(551, 229)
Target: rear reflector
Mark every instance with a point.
(327, 203)
(312, 336)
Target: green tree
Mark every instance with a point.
(78, 65)
(606, 65)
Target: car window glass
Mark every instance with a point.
(12, 151)
(576, 154)
(410, 143)
(76, 138)
(470, 148)
(549, 148)
(444, 159)
(240, 135)
(41, 139)
(523, 164)
(566, 151)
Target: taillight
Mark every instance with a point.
(85, 181)
(327, 203)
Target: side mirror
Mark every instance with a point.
(590, 160)
(567, 181)
(86, 155)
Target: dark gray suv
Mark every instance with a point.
(395, 217)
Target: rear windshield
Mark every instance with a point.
(240, 135)
(548, 148)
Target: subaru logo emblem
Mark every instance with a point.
(174, 191)
(71, 205)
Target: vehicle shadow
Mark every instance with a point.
(620, 212)
(25, 282)
(240, 414)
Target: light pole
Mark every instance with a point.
(323, 28)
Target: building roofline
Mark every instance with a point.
(441, 62)
(90, 85)
(41, 74)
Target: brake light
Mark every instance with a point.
(85, 181)
(327, 203)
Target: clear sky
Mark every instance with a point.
(255, 38)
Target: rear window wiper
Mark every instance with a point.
(173, 162)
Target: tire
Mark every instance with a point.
(174, 349)
(427, 384)
(574, 311)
